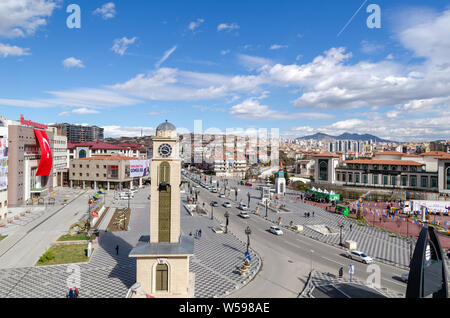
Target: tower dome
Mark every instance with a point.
(166, 130)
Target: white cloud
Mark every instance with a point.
(84, 111)
(369, 47)
(253, 62)
(225, 52)
(20, 18)
(72, 62)
(124, 131)
(165, 56)
(63, 114)
(277, 46)
(227, 27)
(251, 109)
(121, 45)
(8, 50)
(195, 24)
(107, 11)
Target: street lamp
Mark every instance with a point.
(212, 211)
(266, 208)
(248, 232)
(248, 196)
(340, 234)
(227, 215)
(312, 251)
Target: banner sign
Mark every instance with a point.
(3, 163)
(139, 168)
(46, 161)
(431, 206)
(31, 124)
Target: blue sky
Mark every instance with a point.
(232, 64)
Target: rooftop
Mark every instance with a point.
(109, 158)
(385, 162)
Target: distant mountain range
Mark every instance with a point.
(345, 136)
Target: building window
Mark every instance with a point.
(414, 169)
(375, 167)
(424, 182)
(434, 182)
(98, 166)
(81, 174)
(447, 175)
(73, 166)
(113, 172)
(97, 174)
(405, 168)
(364, 178)
(73, 174)
(385, 180)
(404, 181)
(81, 166)
(393, 168)
(356, 177)
(338, 176)
(375, 179)
(343, 177)
(323, 170)
(350, 177)
(385, 167)
(393, 180)
(82, 153)
(413, 181)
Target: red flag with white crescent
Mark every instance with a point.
(46, 161)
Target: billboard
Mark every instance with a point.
(3, 164)
(139, 168)
(432, 206)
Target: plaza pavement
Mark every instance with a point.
(215, 263)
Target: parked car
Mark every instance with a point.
(244, 215)
(214, 190)
(226, 205)
(404, 277)
(243, 207)
(359, 256)
(275, 230)
(214, 203)
(221, 195)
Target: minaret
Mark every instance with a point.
(162, 259)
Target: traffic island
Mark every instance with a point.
(65, 254)
(2, 237)
(119, 220)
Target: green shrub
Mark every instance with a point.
(47, 256)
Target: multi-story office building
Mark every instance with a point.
(89, 149)
(107, 172)
(3, 168)
(81, 133)
(60, 158)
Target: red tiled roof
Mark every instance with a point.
(326, 154)
(385, 162)
(434, 153)
(410, 155)
(389, 152)
(95, 145)
(110, 158)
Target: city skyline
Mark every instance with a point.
(310, 69)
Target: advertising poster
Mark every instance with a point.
(139, 168)
(3, 164)
(432, 206)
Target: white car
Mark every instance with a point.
(243, 207)
(275, 230)
(226, 205)
(213, 190)
(359, 256)
(244, 215)
(221, 195)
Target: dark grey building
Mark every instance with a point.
(79, 133)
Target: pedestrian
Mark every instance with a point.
(117, 249)
(351, 227)
(341, 272)
(70, 295)
(313, 213)
(200, 233)
(76, 292)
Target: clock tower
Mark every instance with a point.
(163, 257)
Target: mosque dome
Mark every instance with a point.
(166, 129)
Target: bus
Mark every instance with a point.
(342, 209)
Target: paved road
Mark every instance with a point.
(27, 243)
(287, 259)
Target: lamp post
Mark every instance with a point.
(340, 234)
(248, 196)
(212, 211)
(227, 215)
(248, 232)
(266, 208)
(236, 193)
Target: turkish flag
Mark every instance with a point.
(46, 161)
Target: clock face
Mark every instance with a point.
(165, 150)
